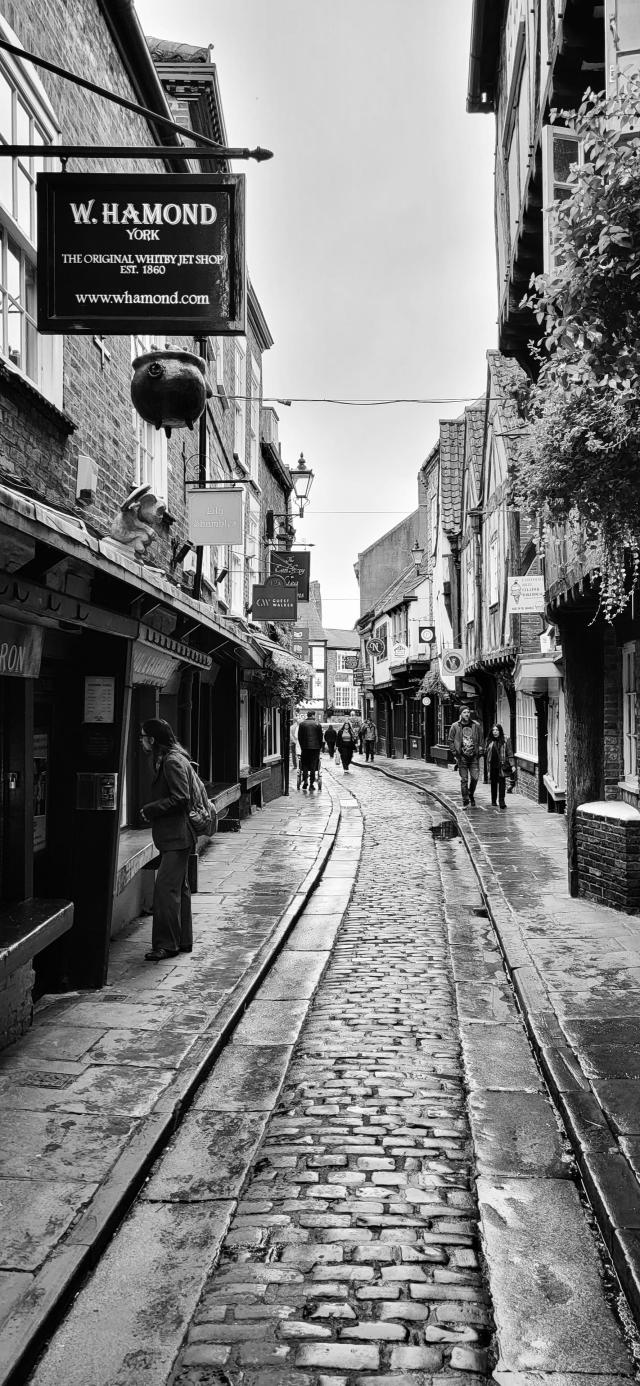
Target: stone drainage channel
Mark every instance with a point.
(372, 1184)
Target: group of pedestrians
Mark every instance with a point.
(307, 740)
(468, 747)
(167, 811)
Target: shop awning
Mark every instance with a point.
(537, 673)
(70, 535)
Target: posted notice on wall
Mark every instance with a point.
(99, 698)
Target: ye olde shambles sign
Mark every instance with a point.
(121, 253)
(293, 567)
(273, 602)
(215, 516)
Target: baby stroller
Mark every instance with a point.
(309, 767)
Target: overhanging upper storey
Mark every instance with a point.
(486, 22)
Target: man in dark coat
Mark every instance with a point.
(466, 745)
(168, 813)
(310, 740)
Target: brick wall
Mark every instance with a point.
(608, 855)
(75, 35)
(34, 448)
(527, 782)
(16, 1004)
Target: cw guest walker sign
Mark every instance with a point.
(121, 253)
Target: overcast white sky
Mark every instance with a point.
(369, 238)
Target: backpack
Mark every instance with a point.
(201, 812)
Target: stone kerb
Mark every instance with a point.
(608, 852)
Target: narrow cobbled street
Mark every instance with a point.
(352, 1253)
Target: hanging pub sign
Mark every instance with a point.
(293, 567)
(214, 515)
(273, 601)
(140, 252)
(526, 596)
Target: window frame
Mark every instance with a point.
(271, 735)
(28, 95)
(526, 727)
(254, 419)
(550, 135)
(470, 585)
(629, 716)
(344, 695)
(239, 400)
(494, 555)
(245, 759)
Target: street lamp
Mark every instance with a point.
(417, 554)
(302, 482)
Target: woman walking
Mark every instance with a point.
(175, 839)
(498, 759)
(346, 744)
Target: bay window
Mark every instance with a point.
(526, 727)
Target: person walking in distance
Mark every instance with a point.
(310, 740)
(346, 744)
(330, 735)
(465, 742)
(498, 759)
(369, 738)
(293, 742)
(175, 839)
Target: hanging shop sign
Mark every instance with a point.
(452, 661)
(376, 646)
(214, 515)
(293, 568)
(426, 634)
(20, 650)
(274, 602)
(525, 596)
(300, 639)
(146, 253)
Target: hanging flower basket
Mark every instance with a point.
(279, 687)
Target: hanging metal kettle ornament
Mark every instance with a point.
(169, 388)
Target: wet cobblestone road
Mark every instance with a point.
(354, 1247)
(315, 1219)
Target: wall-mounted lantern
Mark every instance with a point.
(417, 554)
(302, 479)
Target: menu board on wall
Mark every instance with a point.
(99, 698)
